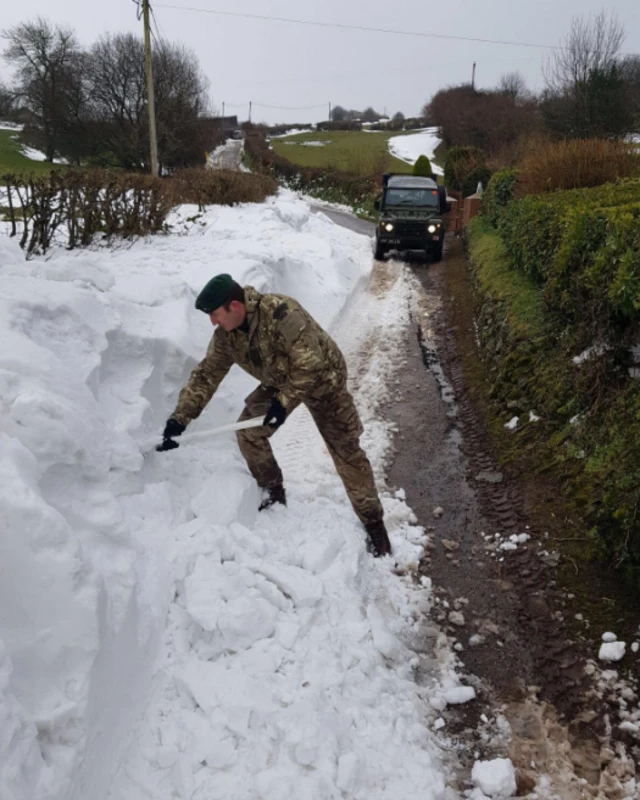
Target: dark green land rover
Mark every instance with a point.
(411, 210)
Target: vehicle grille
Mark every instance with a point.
(414, 229)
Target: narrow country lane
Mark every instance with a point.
(494, 574)
(227, 155)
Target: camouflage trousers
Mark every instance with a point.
(339, 424)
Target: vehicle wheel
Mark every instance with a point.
(379, 251)
(436, 253)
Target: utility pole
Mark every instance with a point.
(473, 76)
(249, 110)
(329, 112)
(150, 100)
(223, 109)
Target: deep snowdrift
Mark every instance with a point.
(249, 655)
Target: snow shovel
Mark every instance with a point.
(194, 437)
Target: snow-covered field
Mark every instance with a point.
(159, 638)
(28, 152)
(413, 145)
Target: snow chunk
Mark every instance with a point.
(230, 497)
(348, 768)
(612, 651)
(495, 777)
(512, 424)
(595, 350)
(301, 586)
(384, 641)
(214, 686)
(459, 694)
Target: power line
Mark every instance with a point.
(159, 30)
(344, 26)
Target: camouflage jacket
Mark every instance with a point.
(285, 348)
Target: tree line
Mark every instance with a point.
(341, 114)
(590, 91)
(90, 106)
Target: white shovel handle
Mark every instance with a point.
(232, 426)
(256, 422)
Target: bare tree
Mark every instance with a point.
(181, 100)
(398, 116)
(118, 115)
(585, 93)
(630, 70)
(6, 101)
(592, 44)
(338, 113)
(47, 62)
(490, 120)
(117, 111)
(514, 86)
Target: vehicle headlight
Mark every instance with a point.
(388, 226)
(432, 228)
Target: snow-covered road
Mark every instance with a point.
(159, 638)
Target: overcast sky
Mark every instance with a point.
(285, 64)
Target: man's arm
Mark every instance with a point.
(203, 381)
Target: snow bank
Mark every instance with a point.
(96, 345)
(411, 146)
(252, 656)
(285, 669)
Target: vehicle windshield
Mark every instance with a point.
(412, 197)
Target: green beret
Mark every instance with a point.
(215, 293)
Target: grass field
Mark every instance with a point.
(12, 160)
(349, 151)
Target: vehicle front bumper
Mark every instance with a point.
(411, 242)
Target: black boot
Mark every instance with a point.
(274, 494)
(378, 539)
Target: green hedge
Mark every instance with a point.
(498, 194)
(464, 168)
(534, 226)
(584, 247)
(574, 256)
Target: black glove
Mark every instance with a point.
(276, 414)
(172, 429)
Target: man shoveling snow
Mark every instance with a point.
(276, 341)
